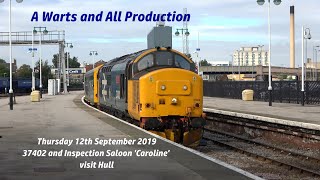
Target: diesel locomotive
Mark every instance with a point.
(156, 89)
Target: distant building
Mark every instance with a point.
(248, 56)
(76, 75)
(312, 65)
(88, 67)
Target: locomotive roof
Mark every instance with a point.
(125, 58)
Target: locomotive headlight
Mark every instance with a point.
(185, 87)
(174, 101)
(163, 87)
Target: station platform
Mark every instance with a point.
(283, 113)
(65, 116)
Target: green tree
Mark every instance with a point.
(2, 61)
(4, 70)
(73, 62)
(46, 72)
(205, 63)
(55, 60)
(24, 71)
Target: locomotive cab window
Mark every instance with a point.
(146, 62)
(164, 58)
(182, 62)
(160, 59)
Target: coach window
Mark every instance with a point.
(146, 62)
(182, 62)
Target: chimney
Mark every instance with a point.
(292, 38)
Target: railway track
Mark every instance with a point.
(265, 152)
(282, 157)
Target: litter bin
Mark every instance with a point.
(247, 95)
(35, 96)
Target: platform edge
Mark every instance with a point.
(265, 119)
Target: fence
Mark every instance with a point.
(283, 91)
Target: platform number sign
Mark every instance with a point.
(198, 49)
(34, 49)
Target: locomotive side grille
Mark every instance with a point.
(136, 94)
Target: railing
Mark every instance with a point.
(283, 91)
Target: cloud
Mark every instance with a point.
(224, 26)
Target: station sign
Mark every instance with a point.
(75, 71)
(34, 49)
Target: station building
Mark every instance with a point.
(76, 75)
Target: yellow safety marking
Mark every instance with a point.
(192, 138)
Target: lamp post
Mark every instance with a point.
(184, 32)
(316, 67)
(10, 54)
(252, 63)
(276, 2)
(68, 45)
(41, 30)
(305, 36)
(84, 69)
(238, 65)
(315, 59)
(32, 61)
(93, 53)
(232, 59)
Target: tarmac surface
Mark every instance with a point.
(64, 116)
(292, 112)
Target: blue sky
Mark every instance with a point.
(224, 26)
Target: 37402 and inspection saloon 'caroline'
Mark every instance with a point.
(156, 89)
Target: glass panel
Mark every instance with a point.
(182, 62)
(145, 62)
(164, 58)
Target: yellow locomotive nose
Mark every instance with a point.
(172, 87)
(170, 92)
